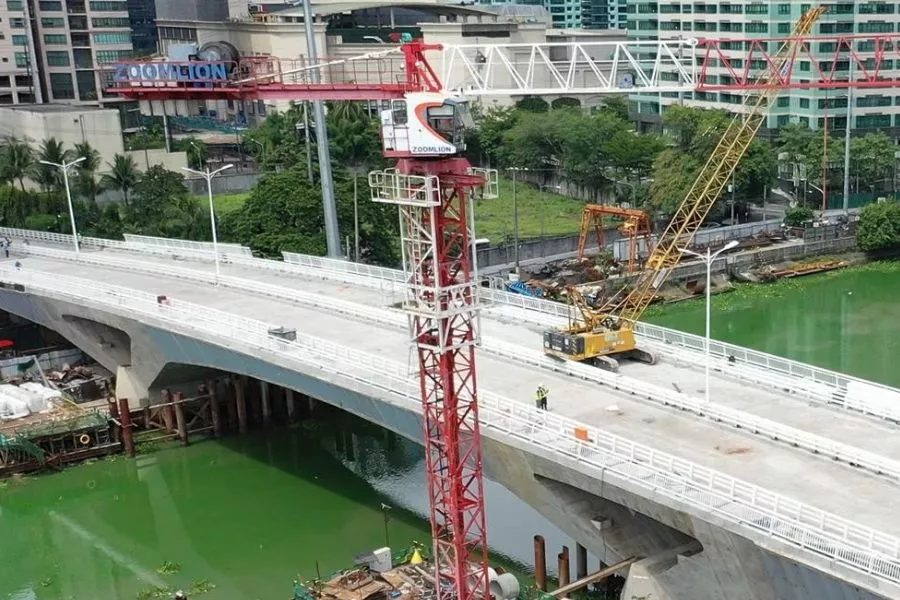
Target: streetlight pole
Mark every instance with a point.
(708, 258)
(208, 175)
(65, 169)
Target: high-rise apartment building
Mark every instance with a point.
(564, 14)
(60, 50)
(604, 14)
(871, 109)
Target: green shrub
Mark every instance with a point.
(879, 227)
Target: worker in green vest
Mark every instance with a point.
(540, 397)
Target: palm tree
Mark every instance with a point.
(87, 170)
(123, 175)
(47, 176)
(18, 160)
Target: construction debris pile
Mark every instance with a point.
(383, 576)
(19, 401)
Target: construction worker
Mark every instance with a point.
(541, 397)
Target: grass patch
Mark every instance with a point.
(560, 215)
(225, 203)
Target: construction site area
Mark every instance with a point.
(755, 253)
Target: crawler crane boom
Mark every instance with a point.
(597, 335)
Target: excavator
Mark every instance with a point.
(602, 335)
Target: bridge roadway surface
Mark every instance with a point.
(816, 480)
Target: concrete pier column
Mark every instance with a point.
(564, 566)
(214, 413)
(179, 418)
(580, 561)
(312, 403)
(540, 563)
(168, 414)
(127, 431)
(266, 407)
(289, 400)
(241, 403)
(115, 429)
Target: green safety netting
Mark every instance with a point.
(22, 444)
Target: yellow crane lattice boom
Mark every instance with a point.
(712, 178)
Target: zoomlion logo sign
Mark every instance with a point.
(432, 149)
(163, 71)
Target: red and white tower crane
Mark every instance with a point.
(422, 126)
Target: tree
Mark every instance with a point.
(879, 227)
(873, 157)
(155, 195)
(49, 177)
(353, 136)
(284, 213)
(673, 173)
(486, 143)
(195, 150)
(797, 216)
(87, 170)
(123, 176)
(17, 160)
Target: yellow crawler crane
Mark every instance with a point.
(600, 335)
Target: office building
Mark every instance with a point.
(604, 14)
(56, 50)
(871, 109)
(564, 14)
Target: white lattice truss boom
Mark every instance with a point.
(566, 68)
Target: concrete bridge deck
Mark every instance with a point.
(859, 495)
(794, 472)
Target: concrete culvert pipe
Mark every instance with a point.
(505, 587)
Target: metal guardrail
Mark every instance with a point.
(655, 394)
(390, 280)
(743, 504)
(178, 244)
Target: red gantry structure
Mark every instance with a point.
(422, 128)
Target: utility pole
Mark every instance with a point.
(332, 235)
(309, 172)
(515, 219)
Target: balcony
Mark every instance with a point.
(77, 23)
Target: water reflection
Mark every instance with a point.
(247, 514)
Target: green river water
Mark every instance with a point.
(248, 514)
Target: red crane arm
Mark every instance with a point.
(375, 76)
(866, 55)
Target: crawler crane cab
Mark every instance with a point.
(425, 124)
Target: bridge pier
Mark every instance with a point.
(241, 402)
(289, 401)
(580, 562)
(264, 400)
(214, 409)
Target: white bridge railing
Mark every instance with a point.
(643, 391)
(742, 504)
(849, 392)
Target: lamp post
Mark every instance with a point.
(208, 175)
(708, 258)
(65, 169)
